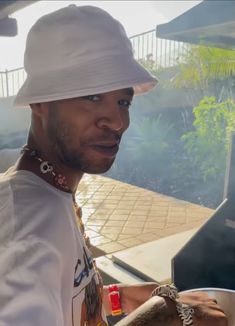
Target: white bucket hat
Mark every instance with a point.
(78, 51)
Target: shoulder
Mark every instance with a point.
(27, 187)
(34, 207)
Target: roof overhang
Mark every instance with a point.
(210, 23)
(8, 26)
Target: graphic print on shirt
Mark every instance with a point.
(87, 299)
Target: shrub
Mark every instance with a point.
(207, 145)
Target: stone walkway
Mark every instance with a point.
(119, 215)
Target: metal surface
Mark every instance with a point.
(151, 261)
(208, 259)
(225, 299)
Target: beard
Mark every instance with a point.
(77, 160)
(61, 136)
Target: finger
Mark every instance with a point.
(211, 312)
(211, 300)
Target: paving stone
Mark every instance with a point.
(147, 237)
(130, 242)
(134, 224)
(95, 222)
(110, 230)
(159, 210)
(155, 225)
(95, 228)
(176, 218)
(160, 203)
(111, 247)
(138, 212)
(118, 217)
(141, 218)
(108, 202)
(112, 236)
(100, 240)
(123, 205)
(97, 216)
(155, 218)
(128, 230)
(115, 223)
(125, 236)
(112, 208)
(121, 212)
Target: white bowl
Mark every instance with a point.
(225, 299)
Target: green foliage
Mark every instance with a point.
(151, 139)
(207, 145)
(150, 64)
(202, 65)
(144, 157)
(155, 156)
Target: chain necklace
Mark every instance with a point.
(60, 182)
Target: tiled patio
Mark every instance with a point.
(119, 216)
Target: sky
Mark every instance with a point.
(136, 16)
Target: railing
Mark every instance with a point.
(162, 53)
(11, 81)
(147, 47)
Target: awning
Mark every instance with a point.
(210, 23)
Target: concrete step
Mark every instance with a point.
(146, 262)
(113, 273)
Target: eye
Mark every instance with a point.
(124, 103)
(92, 98)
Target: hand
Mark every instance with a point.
(159, 311)
(206, 310)
(133, 296)
(156, 311)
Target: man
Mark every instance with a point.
(81, 78)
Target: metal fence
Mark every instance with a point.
(148, 49)
(160, 52)
(11, 81)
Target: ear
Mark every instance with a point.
(39, 109)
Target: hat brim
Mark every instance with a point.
(118, 72)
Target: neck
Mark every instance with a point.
(34, 159)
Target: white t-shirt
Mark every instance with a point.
(47, 276)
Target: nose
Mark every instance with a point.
(113, 118)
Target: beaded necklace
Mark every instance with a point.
(60, 182)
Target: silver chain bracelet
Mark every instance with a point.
(184, 311)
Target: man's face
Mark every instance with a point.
(85, 132)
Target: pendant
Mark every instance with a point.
(45, 167)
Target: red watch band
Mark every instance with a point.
(114, 297)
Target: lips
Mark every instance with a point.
(108, 149)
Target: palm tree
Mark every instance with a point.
(208, 70)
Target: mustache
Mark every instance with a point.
(106, 136)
